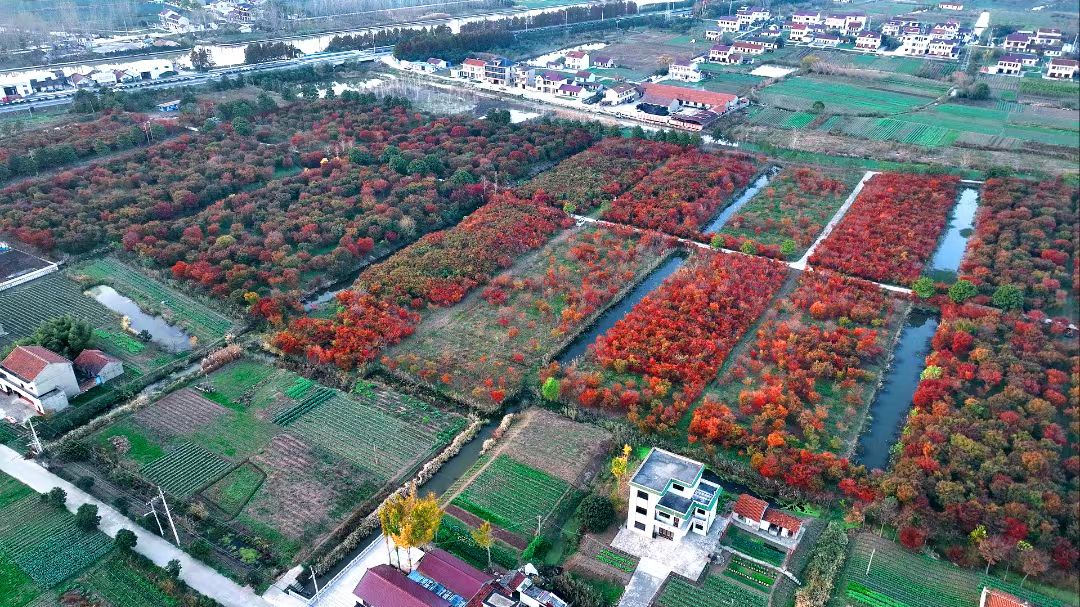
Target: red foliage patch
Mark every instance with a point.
(684, 193)
(892, 228)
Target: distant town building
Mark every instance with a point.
(685, 70)
(1062, 69)
(729, 23)
(621, 93)
(577, 60)
(868, 41)
(950, 6)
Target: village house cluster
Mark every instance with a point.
(38, 378)
(24, 83)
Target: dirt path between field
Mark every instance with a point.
(521, 421)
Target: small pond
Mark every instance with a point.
(950, 252)
(889, 411)
(170, 337)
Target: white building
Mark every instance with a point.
(38, 376)
(807, 17)
(685, 70)
(669, 498)
(1062, 69)
(621, 93)
(868, 41)
(728, 24)
(748, 16)
(577, 60)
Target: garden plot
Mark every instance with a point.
(44, 554)
(801, 92)
(485, 348)
(269, 457)
(716, 590)
(899, 578)
(512, 495)
(559, 446)
(44, 542)
(155, 297)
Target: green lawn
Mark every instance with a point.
(801, 92)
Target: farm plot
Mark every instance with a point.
(185, 469)
(899, 578)
(787, 215)
(484, 349)
(776, 117)
(890, 129)
(280, 467)
(45, 542)
(43, 554)
(809, 375)
(892, 228)
(750, 573)
(714, 591)
(157, 298)
(683, 194)
(592, 178)
(559, 446)
(512, 495)
(365, 436)
(753, 546)
(801, 92)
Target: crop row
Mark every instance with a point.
(309, 403)
(185, 469)
(618, 561)
(715, 591)
(512, 495)
(45, 542)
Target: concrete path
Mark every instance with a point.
(645, 583)
(197, 575)
(801, 264)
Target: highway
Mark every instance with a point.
(45, 100)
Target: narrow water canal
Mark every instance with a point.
(608, 320)
(890, 408)
(950, 252)
(730, 210)
(169, 337)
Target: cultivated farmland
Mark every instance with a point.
(716, 590)
(899, 578)
(801, 92)
(280, 459)
(512, 495)
(43, 555)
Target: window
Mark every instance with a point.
(642, 494)
(677, 487)
(676, 521)
(701, 511)
(641, 510)
(639, 526)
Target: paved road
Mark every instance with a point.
(802, 263)
(197, 575)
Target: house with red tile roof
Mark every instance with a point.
(1062, 69)
(450, 574)
(98, 367)
(992, 597)
(38, 376)
(757, 514)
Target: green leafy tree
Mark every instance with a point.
(551, 389)
(87, 518)
(962, 290)
(126, 540)
(241, 125)
(748, 247)
(596, 513)
(923, 287)
(788, 247)
(484, 538)
(1008, 297)
(173, 568)
(65, 335)
(56, 497)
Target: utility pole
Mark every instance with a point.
(868, 563)
(539, 517)
(35, 442)
(168, 515)
(153, 510)
(315, 580)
